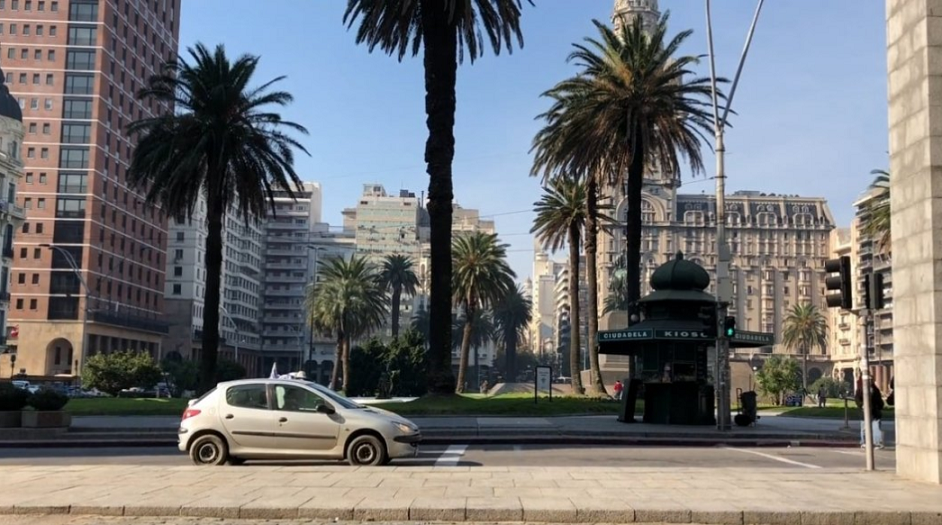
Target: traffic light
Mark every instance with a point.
(873, 291)
(729, 327)
(842, 283)
(708, 316)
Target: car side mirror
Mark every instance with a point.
(326, 409)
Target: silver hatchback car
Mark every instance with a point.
(291, 419)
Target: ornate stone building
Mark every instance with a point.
(779, 242)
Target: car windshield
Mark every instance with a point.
(333, 396)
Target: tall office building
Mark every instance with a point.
(89, 263)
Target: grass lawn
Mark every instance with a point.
(832, 412)
(116, 406)
(504, 405)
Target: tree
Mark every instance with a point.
(512, 315)
(184, 375)
(481, 329)
(421, 323)
(629, 108)
(349, 300)
(877, 221)
(805, 329)
(560, 220)
(616, 300)
(833, 388)
(396, 275)
(406, 359)
(112, 373)
(216, 141)
(445, 30)
(481, 277)
(777, 377)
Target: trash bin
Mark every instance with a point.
(749, 403)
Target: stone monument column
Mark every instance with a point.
(914, 63)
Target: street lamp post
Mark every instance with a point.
(724, 290)
(78, 274)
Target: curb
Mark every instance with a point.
(426, 510)
(157, 442)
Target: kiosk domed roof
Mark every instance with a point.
(680, 274)
(9, 107)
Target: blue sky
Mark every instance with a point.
(811, 106)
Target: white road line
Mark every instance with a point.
(451, 456)
(848, 452)
(773, 457)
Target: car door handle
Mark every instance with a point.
(229, 416)
(283, 420)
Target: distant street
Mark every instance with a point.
(507, 455)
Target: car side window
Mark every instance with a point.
(296, 399)
(248, 396)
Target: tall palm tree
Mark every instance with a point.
(396, 275)
(222, 144)
(349, 300)
(877, 223)
(481, 277)
(806, 328)
(616, 300)
(482, 332)
(633, 105)
(560, 220)
(444, 30)
(421, 322)
(512, 315)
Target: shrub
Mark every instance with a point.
(229, 371)
(184, 375)
(12, 399)
(112, 373)
(47, 400)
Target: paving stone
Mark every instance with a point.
(596, 510)
(827, 517)
(878, 517)
(213, 507)
(667, 512)
(329, 508)
(552, 510)
(383, 509)
(918, 518)
(152, 509)
(494, 509)
(40, 508)
(771, 517)
(438, 509)
(97, 510)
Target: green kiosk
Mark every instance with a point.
(672, 346)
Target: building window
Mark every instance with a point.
(72, 182)
(51, 54)
(21, 278)
(35, 278)
(177, 289)
(83, 12)
(31, 153)
(33, 304)
(32, 128)
(19, 304)
(41, 203)
(70, 208)
(36, 78)
(44, 153)
(73, 158)
(76, 133)
(80, 59)
(178, 271)
(50, 79)
(39, 228)
(79, 84)
(25, 227)
(48, 104)
(42, 178)
(29, 178)
(82, 36)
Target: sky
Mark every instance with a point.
(811, 105)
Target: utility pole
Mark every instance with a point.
(724, 291)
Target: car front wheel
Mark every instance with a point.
(209, 450)
(366, 451)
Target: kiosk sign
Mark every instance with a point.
(544, 382)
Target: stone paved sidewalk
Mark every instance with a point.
(478, 494)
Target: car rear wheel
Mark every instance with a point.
(209, 450)
(366, 451)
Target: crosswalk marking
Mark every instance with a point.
(451, 456)
(773, 457)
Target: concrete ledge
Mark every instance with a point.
(490, 510)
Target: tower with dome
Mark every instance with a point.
(11, 215)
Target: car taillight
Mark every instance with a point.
(190, 412)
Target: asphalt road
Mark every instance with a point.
(507, 455)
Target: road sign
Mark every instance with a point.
(624, 335)
(544, 382)
(762, 338)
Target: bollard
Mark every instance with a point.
(846, 421)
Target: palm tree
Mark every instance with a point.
(616, 300)
(445, 30)
(481, 277)
(630, 107)
(221, 144)
(877, 222)
(512, 315)
(420, 323)
(396, 274)
(482, 332)
(806, 328)
(349, 300)
(560, 220)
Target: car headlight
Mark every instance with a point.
(406, 429)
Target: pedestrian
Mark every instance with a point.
(484, 387)
(822, 398)
(618, 388)
(876, 415)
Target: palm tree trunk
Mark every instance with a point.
(347, 373)
(439, 36)
(466, 333)
(633, 235)
(396, 298)
(574, 328)
(210, 351)
(511, 356)
(804, 371)
(591, 256)
(338, 357)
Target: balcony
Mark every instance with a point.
(126, 320)
(4, 297)
(285, 279)
(297, 292)
(844, 341)
(8, 252)
(282, 306)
